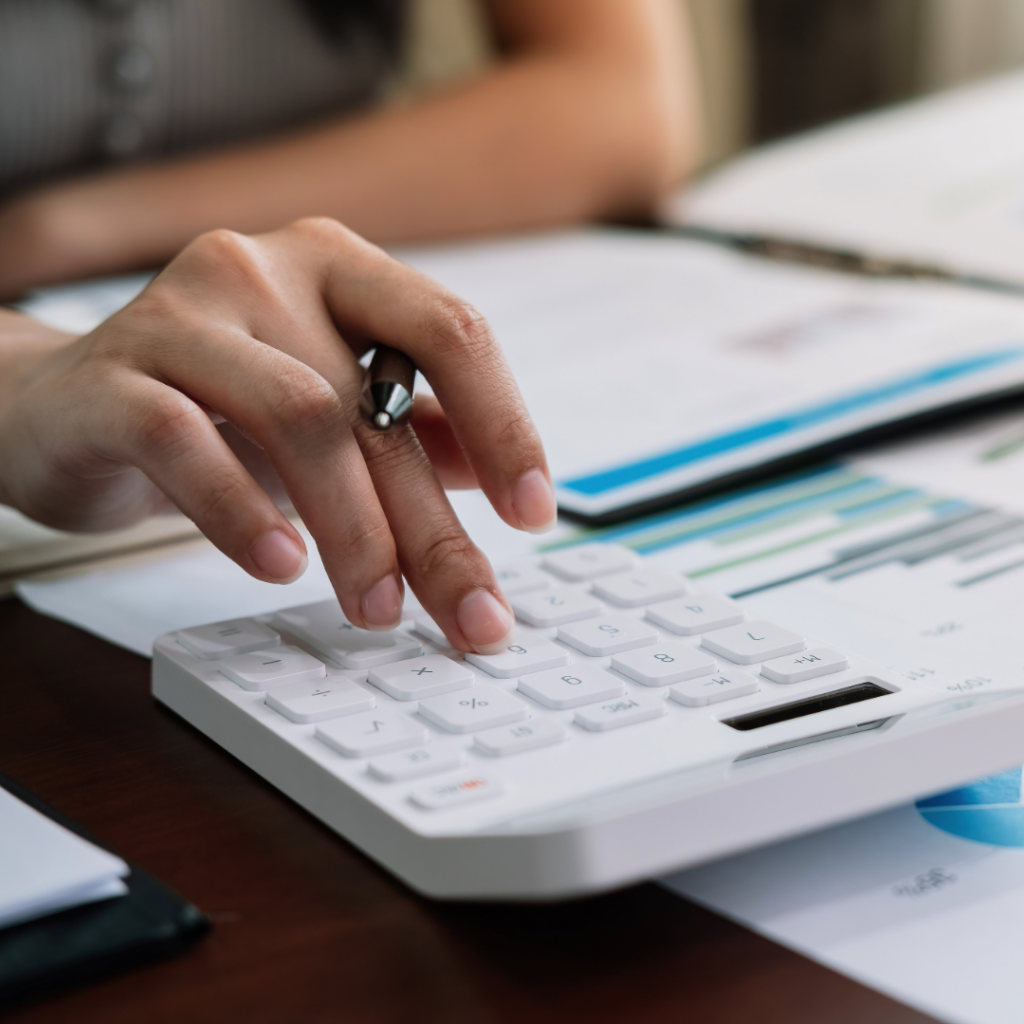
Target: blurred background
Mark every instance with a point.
(773, 67)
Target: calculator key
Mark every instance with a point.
(260, 670)
(482, 707)
(607, 634)
(421, 677)
(223, 639)
(323, 626)
(318, 700)
(372, 732)
(439, 796)
(555, 607)
(664, 663)
(695, 693)
(796, 668)
(427, 627)
(639, 587)
(695, 614)
(588, 561)
(515, 739)
(571, 687)
(752, 642)
(528, 653)
(616, 713)
(411, 764)
(521, 579)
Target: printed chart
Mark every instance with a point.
(989, 811)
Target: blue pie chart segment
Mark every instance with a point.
(989, 811)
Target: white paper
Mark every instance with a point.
(45, 868)
(651, 363)
(982, 460)
(932, 919)
(939, 181)
(78, 308)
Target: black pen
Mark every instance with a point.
(387, 388)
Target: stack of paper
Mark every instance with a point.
(45, 868)
(938, 182)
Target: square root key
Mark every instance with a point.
(372, 732)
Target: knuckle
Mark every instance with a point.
(367, 537)
(458, 328)
(393, 452)
(511, 427)
(220, 252)
(450, 548)
(304, 403)
(319, 227)
(165, 426)
(220, 502)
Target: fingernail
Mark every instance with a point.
(534, 502)
(485, 622)
(382, 604)
(276, 555)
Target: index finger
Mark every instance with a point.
(373, 295)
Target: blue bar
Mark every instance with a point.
(634, 472)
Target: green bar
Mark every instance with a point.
(639, 535)
(806, 513)
(879, 517)
(1001, 451)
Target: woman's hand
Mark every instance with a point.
(262, 335)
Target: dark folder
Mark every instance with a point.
(87, 942)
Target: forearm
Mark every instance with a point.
(541, 140)
(528, 145)
(24, 344)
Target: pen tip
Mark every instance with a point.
(382, 420)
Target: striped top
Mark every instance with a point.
(90, 82)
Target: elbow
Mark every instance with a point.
(659, 149)
(652, 143)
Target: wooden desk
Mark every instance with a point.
(306, 929)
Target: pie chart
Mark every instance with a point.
(989, 811)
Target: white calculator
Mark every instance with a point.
(638, 724)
